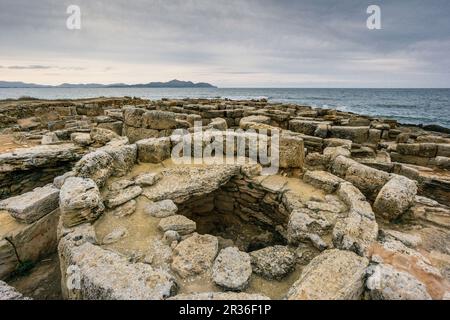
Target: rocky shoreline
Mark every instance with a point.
(359, 208)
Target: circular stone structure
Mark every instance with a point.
(182, 226)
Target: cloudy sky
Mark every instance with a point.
(230, 43)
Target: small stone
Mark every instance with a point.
(273, 262)
(125, 210)
(178, 223)
(171, 236)
(159, 255)
(81, 139)
(148, 179)
(124, 196)
(120, 185)
(195, 255)
(162, 209)
(115, 235)
(232, 269)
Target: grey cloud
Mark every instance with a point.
(240, 38)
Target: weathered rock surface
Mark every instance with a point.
(9, 293)
(105, 275)
(124, 157)
(387, 283)
(154, 150)
(125, 210)
(162, 209)
(291, 151)
(123, 196)
(273, 262)
(195, 255)
(177, 223)
(303, 226)
(80, 201)
(323, 180)
(359, 230)
(97, 166)
(148, 179)
(31, 206)
(115, 235)
(103, 136)
(159, 255)
(232, 269)
(395, 197)
(333, 275)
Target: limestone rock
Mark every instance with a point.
(120, 185)
(395, 197)
(59, 181)
(159, 120)
(9, 293)
(159, 255)
(333, 275)
(356, 232)
(218, 123)
(232, 269)
(170, 236)
(273, 262)
(148, 179)
(120, 197)
(125, 210)
(50, 138)
(105, 275)
(81, 139)
(195, 255)
(387, 283)
(80, 201)
(323, 180)
(161, 209)
(8, 259)
(154, 150)
(177, 223)
(103, 136)
(302, 227)
(31, 206)
(124, 157)
(115, 235)
(97, 166)
(291, 151)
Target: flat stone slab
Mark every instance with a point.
(333, 275)
(162, 209)
(123, 196)
(195, 255)
(323, 180)
(178, 184)
(106, 275)
(39, 156)
(31, 206)
(232, 269)
(177, 223)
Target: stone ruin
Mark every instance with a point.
(358, 208)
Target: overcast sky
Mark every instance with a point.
(230, 43)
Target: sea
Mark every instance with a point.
(408, 106)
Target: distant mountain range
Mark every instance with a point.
(169, 84)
